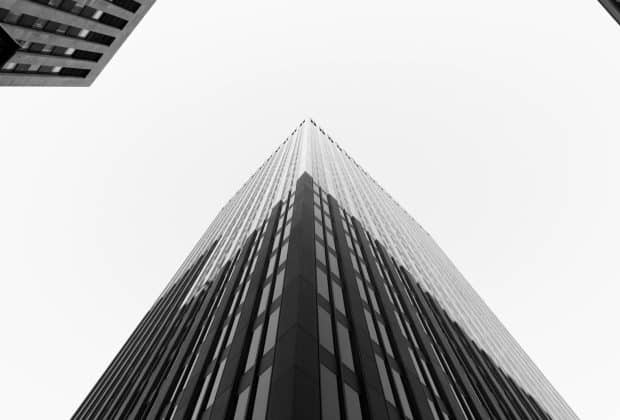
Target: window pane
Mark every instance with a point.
(400, 389)
(360, 286)
(338, 299)
(325, 330)
(318, 230)
(277, 291)
(283, 253)
(262, 394)
(253, 347)
(385, 382)
(216, 383)
(354, 411)
(320, 253)
(371, 327)
(333, 264)
(329, 395)
(384, 337)
(344, 344)
(321, 283)
(263, 299)
(242, 404)
(271, 331)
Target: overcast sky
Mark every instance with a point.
(494, 123)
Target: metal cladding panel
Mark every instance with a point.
(314, 295)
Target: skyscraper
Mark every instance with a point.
(62, 42)
(314, 295)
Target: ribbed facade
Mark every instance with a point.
(62, 42)
(313, 294)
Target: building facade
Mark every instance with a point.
(314, 295)
(62, 42)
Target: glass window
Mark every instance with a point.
(384, 337)
(271, 331)
(242, 404)
(263, 299)
(330, 407)
(330, 240)
(320, 253)
(400, 389)
(253, 347)
(385, 382)
(231, 335)
(333, 264)
(371, 327)
(318, 229)
(325, 330)
(338, 299)
(344, 344)
(272, 265)
(262, 395)
(216, 383)
(317, 212)
(283, 253)
(360, 286)
(373, 300)
(277, 291)
(321, 283)
(352, 400)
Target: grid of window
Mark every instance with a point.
(336, 353)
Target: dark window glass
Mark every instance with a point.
(262, 394)
(385, 382)
(352, 400)
(317, 212)
(253, 347)
(360, 286)
(318, 230)
(329, 395)
(271, 331)
(263, 299)
(321, 283)
(283, 253)
(242, 404)
(344, 343)
(371, 327)
(384, 337)
(325, 330)
(338, 300)
(400, 389)
(277, 291)
(333, 264)
(320, 253)
(330, 240)
(216, 383)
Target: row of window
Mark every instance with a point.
(33, 22)
(82, 10)
(76, 54)
(12, 67)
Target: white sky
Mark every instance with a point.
(494, 123)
